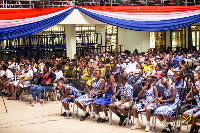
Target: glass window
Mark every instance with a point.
(158, 40)
(195, 29)
(112, 36)
(178, 38)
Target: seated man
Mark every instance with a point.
(126, 94)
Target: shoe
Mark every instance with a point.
(70, 114)
(63, 114)
(122, 118)
(99, 120)
(37, 105)
(33, 103)
(136, 127)
(83, 118)
(147, 129)
(87, 114)
(104, 120)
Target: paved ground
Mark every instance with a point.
(22, 118)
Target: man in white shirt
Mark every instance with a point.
(58, 72)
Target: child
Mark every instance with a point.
(68, 93)
(109, 90)
(96, 87)
(178, 80)
(195, 112)
(126, 93)
(148, 105)
(170, 98)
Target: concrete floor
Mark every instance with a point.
(23, 118)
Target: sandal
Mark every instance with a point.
(10, 98)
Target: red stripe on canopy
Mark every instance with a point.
(143, 9)
(9, 14)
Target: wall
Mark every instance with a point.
(132, 40)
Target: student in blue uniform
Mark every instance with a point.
(151, 94)
(68, 93)
(194, 112)
(109, 90)
(96, 87)
(170, 98)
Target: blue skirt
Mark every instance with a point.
(104, 100)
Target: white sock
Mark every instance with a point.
(137, 121)
(107, 118)
(84, 112)
(148, 123)
(164, 123)
(98, 116)
(67, 111)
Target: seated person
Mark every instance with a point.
(69, 73)
(180, 67)
(151, 94)
(157, 72)
(194, 112)
(58, 72)
(197, 79)
(126, 93)
(158, 82)
(25, 81)
(109, 90)
(170, 98)
(178, 81)
(136, 78)
(68, 93)
(95, 88)
(46, 78)
(102, 69)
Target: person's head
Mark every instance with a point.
(58, 67)
(179, 53)
(179, 75)
(13, 59)
(75, 56)
(164, 80)
(45, 68)
(39, 61)
(26, 67)
(22, 60)
(60, 83)
(194, 89)
(158, 67)
(110, 78)
(44, 59)
(107, 61)
(84, 63)
(71, 65)
(5, 67)
(97, 74)
(164, 74)
(153, 65)
(122, 78)
(148, 81)
(180, 64)
(138, 66)
(100, 64)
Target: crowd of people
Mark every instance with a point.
(110, 80)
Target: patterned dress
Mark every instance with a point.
(195, 110)
(72, 91)
(107, 99)
(125, 91)
(149, 96)
(169, 108)
(84, 99)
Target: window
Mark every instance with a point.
(86, 35)
(112, 36)
(158, 40)
(178, 38)
(195, 29)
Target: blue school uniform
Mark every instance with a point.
(169, 108)
(107, 99)
(149, 96)
(72, 91)
(195, 110)
(84, 99)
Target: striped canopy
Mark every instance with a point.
(16, 23)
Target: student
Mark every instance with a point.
(158, 82)
(126, 93)
(46, 77)
(109, 90)
(178, 81)
(194, 112)
(102, 69)
(68, 93)
(151, 94)
(170, 98)
(95, 88)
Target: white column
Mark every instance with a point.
(70, 32)
(168, 41)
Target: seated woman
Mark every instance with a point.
(158, 81)
(195, 112)
(170, 98)
(95, 88)
(46, 77)
(178, 81)
(151, 94)
(68, 93)
(109, 90)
